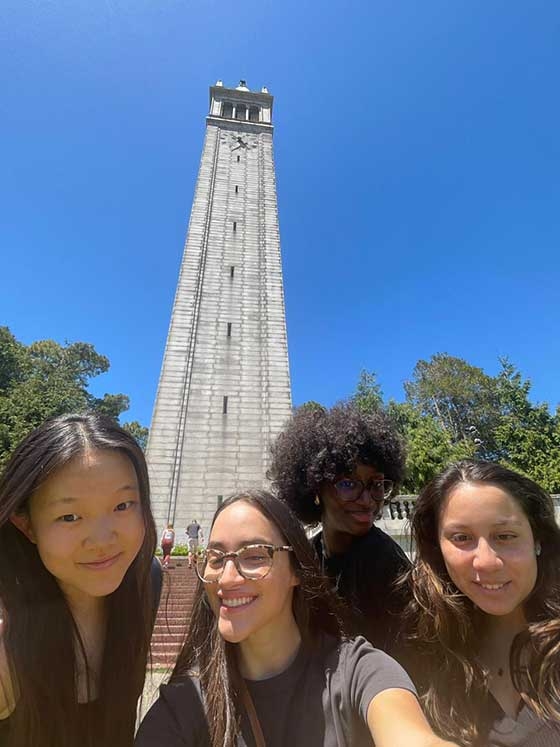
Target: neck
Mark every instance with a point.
(90, 616)
(498, 633)
(268, 653)
(88, 612)
(335, 542)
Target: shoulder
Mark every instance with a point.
(176, 718)
(379, 542)
(363, 664)
(182, 693)
(357, 672)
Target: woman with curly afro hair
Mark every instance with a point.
(339, 467)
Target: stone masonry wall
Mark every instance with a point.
(227, 336)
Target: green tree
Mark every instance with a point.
(459, 396)
(139, 432)
(429, 448)
(368, 395)
(527, 436)
(311, 405)
(45, 379)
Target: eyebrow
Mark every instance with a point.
(499, 523)
(253, 541)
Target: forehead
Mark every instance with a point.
(95, 471)
(481, 505)
(243, 523)
(364, 471)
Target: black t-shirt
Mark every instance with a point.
(364, 577)
(321, 700)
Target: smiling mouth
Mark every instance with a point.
(365, 515)
(99, 565)
(492, 587)
(236, 602)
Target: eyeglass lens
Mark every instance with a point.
(350, 490)
(251, 562)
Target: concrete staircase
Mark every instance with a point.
(179, 584)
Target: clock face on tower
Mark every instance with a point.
(238, 141)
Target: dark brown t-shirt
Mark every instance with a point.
(321, 700)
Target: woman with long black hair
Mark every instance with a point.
(77, 540)
(265, 660)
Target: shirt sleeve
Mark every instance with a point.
(176, 719)
(368, 672)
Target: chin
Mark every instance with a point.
(230, 635)
(361, 530)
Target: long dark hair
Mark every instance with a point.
(40, 631)
(316, 610)
(445, 625)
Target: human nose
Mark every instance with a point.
(102, 532)
(368, 495)
(485, 557)
(230, 571)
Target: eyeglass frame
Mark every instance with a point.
(234, 557)
(366, 486)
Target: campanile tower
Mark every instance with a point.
(224, 389)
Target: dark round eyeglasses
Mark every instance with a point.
(253, 562)
(348, 489)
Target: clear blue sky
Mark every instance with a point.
(417, 149)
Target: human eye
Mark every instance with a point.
(254, 555)
(68, 518)
(459, 537)
(125, 505)
(346, 484)
(506, 536)
(214, 559)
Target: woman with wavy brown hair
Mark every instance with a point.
(485, 617)
(77, 539)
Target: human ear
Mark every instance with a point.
(23, 523)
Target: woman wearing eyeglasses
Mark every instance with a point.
(339, 467)
(265, 662)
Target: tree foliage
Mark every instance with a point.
(460, 397)
(454, 410)
(45, 379)
(368, 395)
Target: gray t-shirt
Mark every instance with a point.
(321, 700)
(526, 730)
(193, 530)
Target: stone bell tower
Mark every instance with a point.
(224, 389)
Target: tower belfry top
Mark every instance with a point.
(240, 106)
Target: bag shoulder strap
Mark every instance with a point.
(253, 718)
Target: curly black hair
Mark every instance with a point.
(319, 444)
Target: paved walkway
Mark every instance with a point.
(151, 688)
